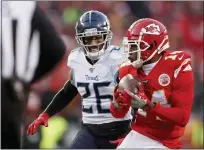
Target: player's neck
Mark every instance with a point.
(155, 59)
(92, 62)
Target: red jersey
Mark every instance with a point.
(170, 84)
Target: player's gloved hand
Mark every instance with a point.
(41, 120)
(115, 96)
(139, 100)
(121, 99)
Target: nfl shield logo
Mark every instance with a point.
(91, 69)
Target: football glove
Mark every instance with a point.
(139, 100)
(41, 120)
(121, 99)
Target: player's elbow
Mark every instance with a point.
(183, 123)
(184, 119)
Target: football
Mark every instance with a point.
(129, 82)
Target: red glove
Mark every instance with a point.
(41, 120)
(123, 99)
(120, 99)
(116, 110)
(139, 100)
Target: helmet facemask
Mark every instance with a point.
(141, 49)
(94, 50)
(134, 49)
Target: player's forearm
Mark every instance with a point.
(61, 99)
(118, 112)
(175, 115)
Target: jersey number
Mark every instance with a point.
(96, 87)
(157, 96)
(173, 55)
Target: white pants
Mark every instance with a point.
(137, 140)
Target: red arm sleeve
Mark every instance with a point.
(181, 99)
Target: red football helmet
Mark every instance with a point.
(148, 38)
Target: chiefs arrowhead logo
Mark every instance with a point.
(152, 29)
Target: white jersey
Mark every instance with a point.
(96, 83)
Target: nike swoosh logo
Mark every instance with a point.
(181, 57)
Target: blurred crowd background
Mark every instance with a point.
(184, 21)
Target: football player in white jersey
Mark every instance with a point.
(94, 68)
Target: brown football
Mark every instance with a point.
(129, 82)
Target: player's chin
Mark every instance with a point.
(131, 59)
(94, 49)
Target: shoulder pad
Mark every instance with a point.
(177, 56)
(181, 60)
(125, 63)
(72, 56)
(116, 55)
(115, 52)
(76, 49)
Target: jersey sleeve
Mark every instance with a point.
(125, 69)
(183, 63)
(181, 96)
(52, 48)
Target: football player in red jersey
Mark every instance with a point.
(167, 87)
